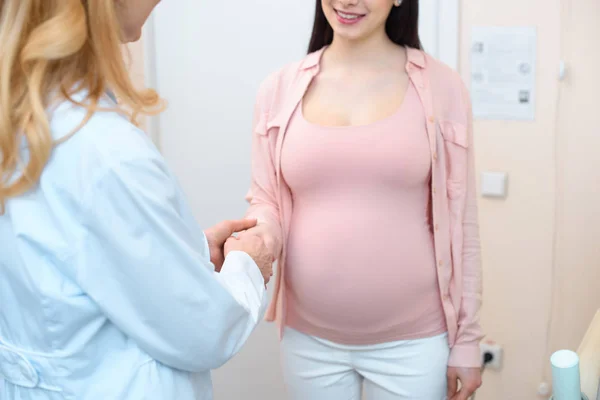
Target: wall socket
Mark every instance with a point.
(490, 348)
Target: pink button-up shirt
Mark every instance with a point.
(453, 193)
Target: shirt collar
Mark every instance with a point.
(313, 59)
(414, 56)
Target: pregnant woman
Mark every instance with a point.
(363, 183)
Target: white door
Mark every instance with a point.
(207, 58)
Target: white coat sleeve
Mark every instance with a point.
(145, 262)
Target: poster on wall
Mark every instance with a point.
(503, 65)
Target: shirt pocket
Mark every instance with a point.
(456, 147)
(264, 127)
(261, 125)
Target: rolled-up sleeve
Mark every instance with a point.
(144, 261)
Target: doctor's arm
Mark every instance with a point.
(145, 263)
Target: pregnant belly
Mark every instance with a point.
(359, 279)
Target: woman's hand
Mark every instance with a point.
(218, 235)
(255, 247)
(262, 231)
(470, 381)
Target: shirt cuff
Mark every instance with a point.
(465, 356)
(259, 219)
(242, 278)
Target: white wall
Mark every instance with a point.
(210, 58)
(207, 59)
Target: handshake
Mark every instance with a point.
(251, 239)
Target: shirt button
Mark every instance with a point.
(435, 157)
(431, 119)
(440, 263)
(437, 227)
(446, 297)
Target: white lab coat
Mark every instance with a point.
(106, 285)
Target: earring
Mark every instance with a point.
(397, 3)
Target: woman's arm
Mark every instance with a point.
(466, 352)
(262, 195)
(145, 263)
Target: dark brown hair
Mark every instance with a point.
(402, 26)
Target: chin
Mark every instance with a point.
(131, 37)
(353, 33)
(350, 36)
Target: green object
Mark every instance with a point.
(566, 384)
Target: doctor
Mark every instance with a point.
(108, 288)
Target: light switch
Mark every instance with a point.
(493, 184)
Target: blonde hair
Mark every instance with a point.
(58, 48)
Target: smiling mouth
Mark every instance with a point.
(348, 17)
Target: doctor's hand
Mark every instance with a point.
(218, 235)
(470, 381)
(255, 247)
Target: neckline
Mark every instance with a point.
(375, 123)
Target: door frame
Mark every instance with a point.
(440, 30)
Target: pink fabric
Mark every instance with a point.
(449, 125)
(360, 259)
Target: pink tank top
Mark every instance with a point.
(360, 260)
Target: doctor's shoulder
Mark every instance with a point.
(98, 140)
(90, 146)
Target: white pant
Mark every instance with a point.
(316, 369)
